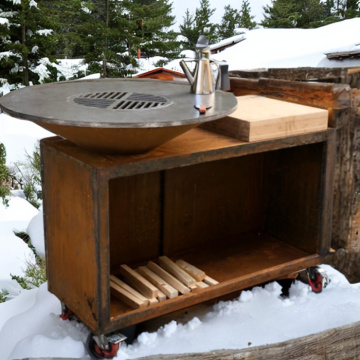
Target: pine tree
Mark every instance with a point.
(194, 26)
(100, 26)
(308, 13)
(347, 9)
(295, 14)
(188, 30)
(311, 14)
(149, 23)
(4, 176)
(203, 23)
(280, 14)
(115, 30)
(246, 19)
(229, 22)
(27, 40)
(68, 19)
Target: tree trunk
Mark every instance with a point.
(24, 54)
(105, 74)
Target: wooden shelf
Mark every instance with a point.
(236, 265)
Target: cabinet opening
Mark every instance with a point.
(230, 218)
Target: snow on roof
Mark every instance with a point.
(288, 48)
(227, 42)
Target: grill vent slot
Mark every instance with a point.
(91, 102)
(122, 101)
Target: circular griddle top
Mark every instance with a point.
(113, 103)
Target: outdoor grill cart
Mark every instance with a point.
(215, 213)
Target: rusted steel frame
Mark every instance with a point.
(89, 311)
(224, 288)
(321, 95)
(102, 242)
(176, 160)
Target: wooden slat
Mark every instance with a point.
(139, 282)
(153, 301)
(129, 289)
(161, 296)
(160, 283)
(126, 296)
(193, 271)
(176, 271)
(201, 285)
(168, 278)
(208, 280)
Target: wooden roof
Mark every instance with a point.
(161, 74)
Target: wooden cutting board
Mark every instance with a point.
(259, 118)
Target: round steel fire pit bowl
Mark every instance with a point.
(114, 116)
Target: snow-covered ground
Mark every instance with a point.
(29, 322)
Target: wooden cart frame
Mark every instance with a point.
(245, 213)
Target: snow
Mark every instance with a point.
(7, 54)
(42, 70)
(33, 3)
(35, 49)
(4, 21)
(35, 230)
(279, 48)
(232, 40)
(29, 321)
(19, 137)
(30, 326)
(45, 32)
(14, 252)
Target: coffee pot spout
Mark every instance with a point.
(187, 72)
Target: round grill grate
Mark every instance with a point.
(122, 101)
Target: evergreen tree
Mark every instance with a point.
(311, 14)
(308, 13)
(347, 9)
(194, 26)
(26, 41)
(229, 22)
(202, 21)
(280, 14)
(246, 19)
(188, 30)
(149, 23)
(68, 19)
(115, 30)
(234, 18)
(294, 14)
(4, 176)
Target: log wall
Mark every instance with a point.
(342, 98)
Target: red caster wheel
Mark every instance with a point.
(66, 313)
(317, 279)
(103, 347)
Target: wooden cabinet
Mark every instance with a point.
(244, 213)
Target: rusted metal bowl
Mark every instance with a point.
(121, 116)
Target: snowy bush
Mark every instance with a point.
(4, 176)
(27, 175)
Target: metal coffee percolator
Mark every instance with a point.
(201, 79)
